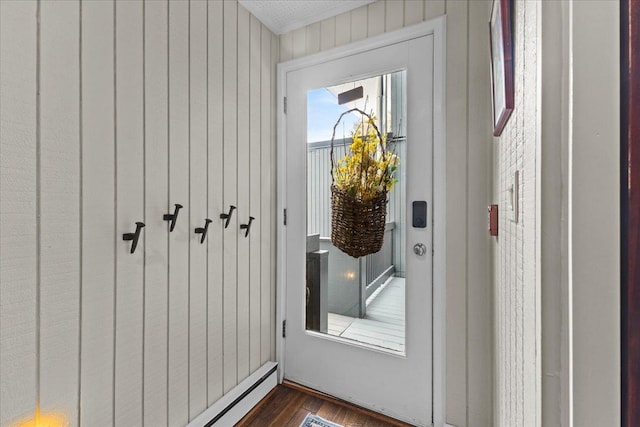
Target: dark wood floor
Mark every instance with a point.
(288, 404)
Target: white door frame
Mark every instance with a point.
(437, 28)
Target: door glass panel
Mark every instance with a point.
(360, 299)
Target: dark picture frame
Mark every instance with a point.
(501, 41)
(630, 211)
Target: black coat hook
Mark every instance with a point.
(227, 216)
(172, 217)
(247, 227)
(134, 236)
(203, 231)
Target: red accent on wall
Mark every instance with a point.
(630, 210)
(493, 220)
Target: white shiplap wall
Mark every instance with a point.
(111, 112)
(515, 264)
(19, 209)
(469, 292)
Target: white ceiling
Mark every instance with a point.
(282, 16)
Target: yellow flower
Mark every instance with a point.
(368, 169)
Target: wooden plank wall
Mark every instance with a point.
(99, 235)
(60, 205)
(19, 234)
(129, 287)
(198, 211)
(110, 113)
(469, 292)
(230, 182)
(215, 325)
(156, 185)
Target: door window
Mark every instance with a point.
(360, 299)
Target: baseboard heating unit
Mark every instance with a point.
(234, 405)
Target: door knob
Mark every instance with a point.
(419, 249)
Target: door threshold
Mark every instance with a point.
(349, 406)
(288, 403)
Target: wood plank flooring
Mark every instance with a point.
(384, 324)
(288, 404)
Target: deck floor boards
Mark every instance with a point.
(384, 324)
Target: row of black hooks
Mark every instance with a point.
(173, 218)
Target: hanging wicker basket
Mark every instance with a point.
(357, 226)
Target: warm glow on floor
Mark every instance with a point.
(44, 420)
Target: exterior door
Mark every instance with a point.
(365, 363)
